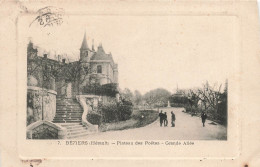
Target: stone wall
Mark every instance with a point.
(45, 130)
(39, 99)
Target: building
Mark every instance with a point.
(61, 94)
(103, 68)
(71, 78)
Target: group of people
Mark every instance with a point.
(164, 120)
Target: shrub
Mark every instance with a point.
(109, 112)
(114, 112)
(139, 118)
(110, 89)
(94, 118)
(124, 111)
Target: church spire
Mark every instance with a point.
(84, 44)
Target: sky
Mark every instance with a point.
(151, 51)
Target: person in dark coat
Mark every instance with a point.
(173, 119)
(161, 115)
(165, 120)
(203, 118)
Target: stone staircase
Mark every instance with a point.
(75, 130)
(68, 115)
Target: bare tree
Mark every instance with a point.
(210, 96)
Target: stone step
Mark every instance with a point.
(68, 114)
(66, 101)
(59, 115)
(63, 115)
(74, 128)
(69, 111)
(76, 117)
(62, 112)
(78, 135)
(68, 104)
(66, 121)
(67, 118)
(76, 132)
(70, 124)
(69, 107)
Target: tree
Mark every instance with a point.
(157, 97)
(212, 100)
(127, 95)
(191, 99)
(137, 97)
(210, 96)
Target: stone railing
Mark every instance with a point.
(45, 130)
(87, 101)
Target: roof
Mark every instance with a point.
(84, 44)
(101, 55)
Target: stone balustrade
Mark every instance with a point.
(87, 102)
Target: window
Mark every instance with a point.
(99, 69)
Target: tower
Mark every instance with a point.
(84, 50)
(115, 73)
(31, 52)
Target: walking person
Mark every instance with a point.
(165, 120)
(161, 115)
(203, 118)
(173, 119)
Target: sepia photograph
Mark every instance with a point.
(132, 83)
(127, 78)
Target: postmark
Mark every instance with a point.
(49, 16)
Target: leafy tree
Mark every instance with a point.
(127, 95)
(137, 97)
(157, 97)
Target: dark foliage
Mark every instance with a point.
(110, 89)
(94, 118)
(114, 112)
(178, 100)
